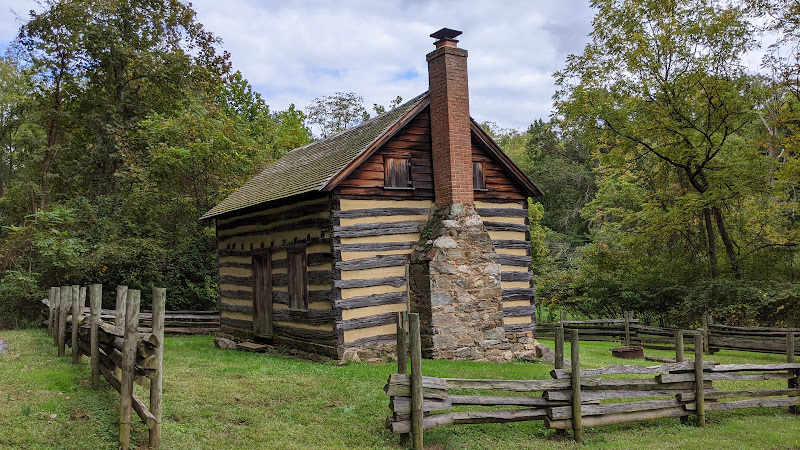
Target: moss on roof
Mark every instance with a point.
(308, 169)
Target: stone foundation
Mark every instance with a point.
(371, 353)
(454, 282)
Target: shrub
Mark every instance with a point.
(739, 302)
(20, 300)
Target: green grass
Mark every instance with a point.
(225, 399)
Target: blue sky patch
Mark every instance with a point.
(409, 74)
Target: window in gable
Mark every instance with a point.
(297, 276)
(479, 175)
(397, 171)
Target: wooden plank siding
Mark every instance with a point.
(414, 140)
(370, 268)
(306, 222)
(508, 227)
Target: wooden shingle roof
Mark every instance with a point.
(310, 168)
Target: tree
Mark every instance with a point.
(562, 165)
(380, 109)
(662, 91)
(133, 127)
(335, 113)
(16, 90)
(103, 67)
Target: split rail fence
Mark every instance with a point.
(630, 331)
(747, 339)
(118, 352)
(175, 322)
(627, 330)
(578, 398)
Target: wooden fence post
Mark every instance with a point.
(159, 302)
(792, 372)
(84, 291)
(416, 381)
(119, 317)
(577, 423)
(77, 312)
(56, 314)
(699, 391)
(402, 359)
(706, 320)
(95, 304)
(50, 306)
(559, 359)
(627, 315)
(119, 311)
(66, 295)
(128, 361)
(679, 357)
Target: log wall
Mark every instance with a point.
(507, 224)
(373, 240)
(273, 230)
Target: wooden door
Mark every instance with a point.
(262, 294)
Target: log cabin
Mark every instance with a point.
(416, 209)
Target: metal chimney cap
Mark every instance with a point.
(446, 34)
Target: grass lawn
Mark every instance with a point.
(226, 399)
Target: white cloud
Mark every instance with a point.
(293, 51)
(296, 51)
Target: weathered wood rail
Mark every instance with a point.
(747, 339)
(119, 352)
(590, 330)
(175, 322)
(627, 330)
(576, 398)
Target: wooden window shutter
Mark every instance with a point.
(397, 171)
(478, 176)
(297, 277)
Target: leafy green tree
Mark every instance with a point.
(336, 113)
(563, 167)
(662, 92)
(291, 131)
(690, 154)
(133, 127)
(380, 109)
(16, 90)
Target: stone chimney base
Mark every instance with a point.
(454, 282)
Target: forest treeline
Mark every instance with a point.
(122, 123)
(671, 167)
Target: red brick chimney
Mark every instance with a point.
(450, 133)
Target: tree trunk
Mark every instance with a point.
(729, 245)
(712, 243)
(46, 166)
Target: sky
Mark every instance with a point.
(294, 51)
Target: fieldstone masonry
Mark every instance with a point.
(454, 284)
